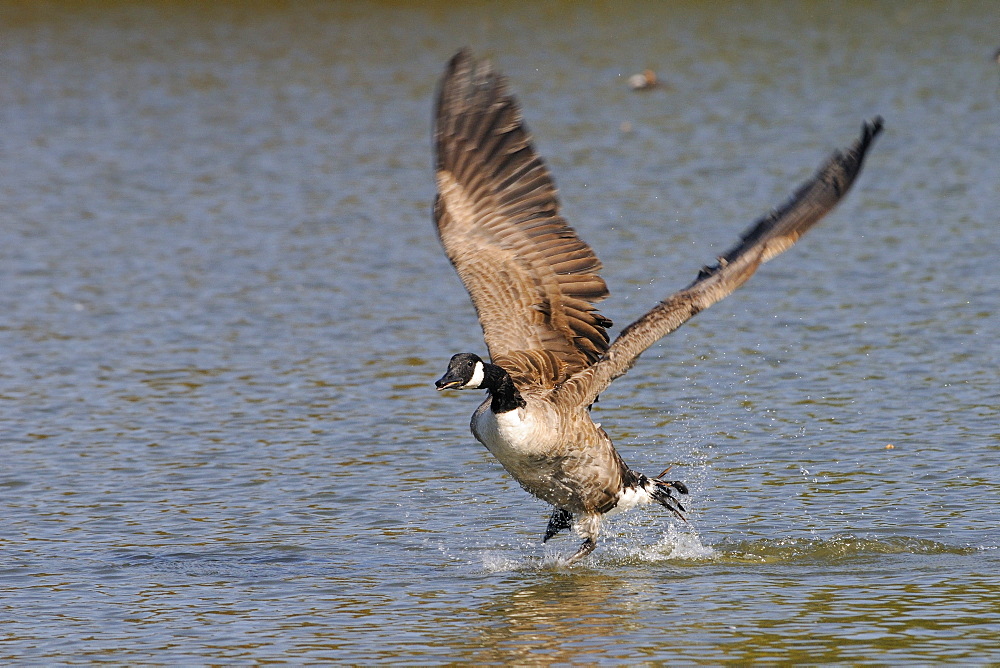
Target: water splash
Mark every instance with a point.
(494, 562)
(554, 557)
(678, 543)
(681, 543)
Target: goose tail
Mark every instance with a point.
(665, 493)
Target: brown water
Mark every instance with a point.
(222, 307)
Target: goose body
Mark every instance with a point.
(535, 286)
(549, 450)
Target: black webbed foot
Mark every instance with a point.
(662, 492)
(560, 519)
(676, 484)
(679, 486)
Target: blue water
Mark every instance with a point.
(223, 308)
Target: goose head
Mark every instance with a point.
(466, 371)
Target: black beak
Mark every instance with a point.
(447, 381)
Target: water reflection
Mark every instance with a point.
(833, 623)
(557, 619)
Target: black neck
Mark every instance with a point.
(501, 388)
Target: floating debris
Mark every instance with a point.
(643, 81)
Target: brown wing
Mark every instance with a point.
(767, 238)
(533, 282)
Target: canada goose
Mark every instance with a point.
(534, 284)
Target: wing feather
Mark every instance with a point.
(766, 238)
(532, 280)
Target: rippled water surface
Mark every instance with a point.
(223, 304)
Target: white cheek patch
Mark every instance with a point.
(478, 375)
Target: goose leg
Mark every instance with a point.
(561, 519)
(586, 548)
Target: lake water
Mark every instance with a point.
(223, 306)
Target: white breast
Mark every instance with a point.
(514, 435)
(531, 444)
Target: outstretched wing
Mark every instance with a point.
(533, 282)
(767, 238)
